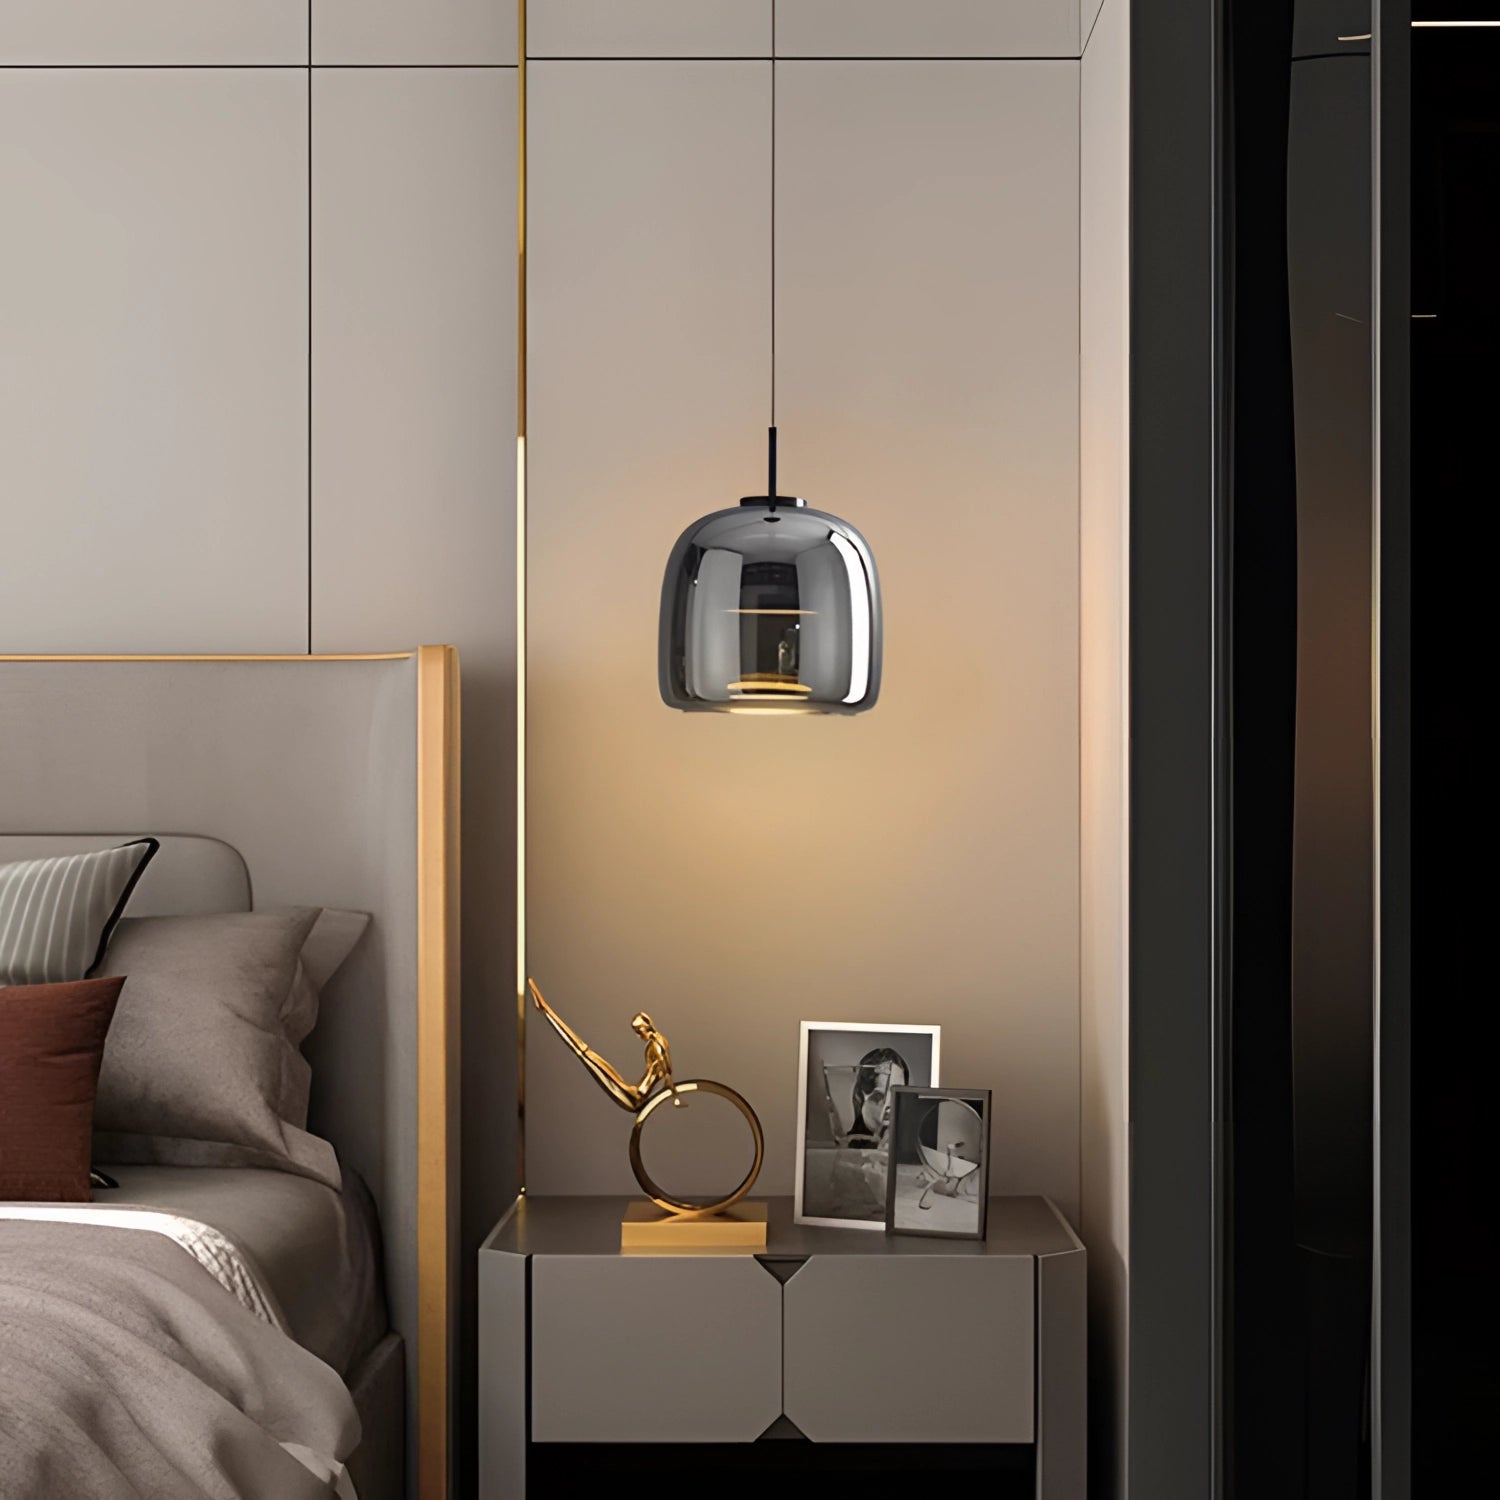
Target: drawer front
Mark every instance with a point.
(628, 1349)
(911, 1349)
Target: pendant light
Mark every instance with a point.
(770, 608)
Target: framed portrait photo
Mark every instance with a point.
(939, 1181)
(848, 1071)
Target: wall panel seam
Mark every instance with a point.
(413, 67)
(153, 67)
(1078, 608)
(781, 57)
(309, 329)
(278, 67)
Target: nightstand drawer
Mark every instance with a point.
(900, 1349)
(653, 1349)
(878, 1345)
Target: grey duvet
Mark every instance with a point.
(126, 1370)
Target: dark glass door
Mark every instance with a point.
(1302, 1001)
(1455, 333)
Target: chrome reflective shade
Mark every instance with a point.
(770, 608)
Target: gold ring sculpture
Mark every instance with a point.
(641, 1099)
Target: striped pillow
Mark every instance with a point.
(56, 915)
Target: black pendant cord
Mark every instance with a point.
(771, 434)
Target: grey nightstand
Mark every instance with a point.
(835, 1336)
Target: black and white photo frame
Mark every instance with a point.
(847, 1072)
(939, 1178)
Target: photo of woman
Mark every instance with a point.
(848, 1072)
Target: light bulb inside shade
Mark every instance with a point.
(767, 688)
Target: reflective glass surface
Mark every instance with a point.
(770, 610)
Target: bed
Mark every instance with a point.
(321, 1312)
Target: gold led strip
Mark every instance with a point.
(521, 597)
(224, 656)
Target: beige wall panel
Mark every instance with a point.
(413, 520)
(737, 875)
(472, 32)
(927, 387)
(650, 833)
(648, 28)
(145, 32)
(153, 365)
(1104, 417)
(930, 28)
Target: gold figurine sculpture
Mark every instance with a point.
(640, 1099)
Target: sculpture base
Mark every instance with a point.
(647, 1227)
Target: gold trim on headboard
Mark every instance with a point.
(437, 1058)
(230, 656)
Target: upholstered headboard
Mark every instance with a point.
(294, 781)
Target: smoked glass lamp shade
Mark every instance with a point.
(770, 609)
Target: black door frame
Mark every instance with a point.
(1178, 773)
(1391, 1459)
(1178, 861)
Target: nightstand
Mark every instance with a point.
(827, 1336)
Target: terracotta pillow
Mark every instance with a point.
(51, 1040)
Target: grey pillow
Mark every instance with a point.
(203, 1065)
(56, 915)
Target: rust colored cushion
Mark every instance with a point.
(51, 1040)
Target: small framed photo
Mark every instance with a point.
(940, 1162)
(849, 1070)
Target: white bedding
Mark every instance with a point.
(216, 1255)
(206, 1245)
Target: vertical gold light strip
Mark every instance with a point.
(437, 1057)
(521, 597)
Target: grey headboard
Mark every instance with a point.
(301, 781)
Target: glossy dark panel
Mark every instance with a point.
(1328, 254)
(1453, 10)
(1265, 1427)
(1455, 1023)
(1324, 27)
(1299, 1214)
